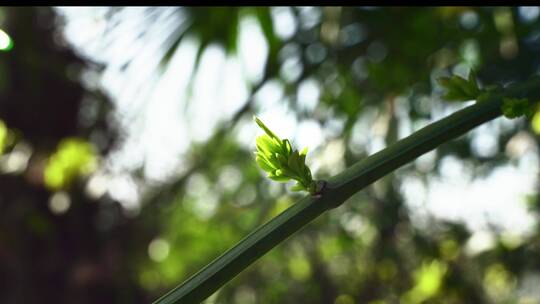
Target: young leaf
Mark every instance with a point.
(281, 179)
(266, 144)
(460, 89)
(293, 162)
(288, 147)
(298, 187)
(283, 163)
(263, 163)
(515, 107)
(265, 128)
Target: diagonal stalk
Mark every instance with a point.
(338, 189)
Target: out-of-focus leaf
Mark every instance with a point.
(516, 107)
(74, 157)
(460, 89)
(3, 136)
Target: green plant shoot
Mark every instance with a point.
(516, 107)
(283, 163)
(461, 89)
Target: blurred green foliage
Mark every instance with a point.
(375, 69)
(3, 136)
(515, 107)
(74, 157)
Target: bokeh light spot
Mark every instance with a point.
(158, 250)
(536, 123)
(59, 203)
(498, 282)
(528, 14)
(428, 282)
(6, 43)
(344, 299)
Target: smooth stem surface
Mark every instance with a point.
(338, 190)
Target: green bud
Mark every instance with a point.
(459, 88)
(283, 163)
(515, 107)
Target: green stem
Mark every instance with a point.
(338, 189)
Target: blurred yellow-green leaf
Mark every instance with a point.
(73, 158)
(428, 280)
(3, 136)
